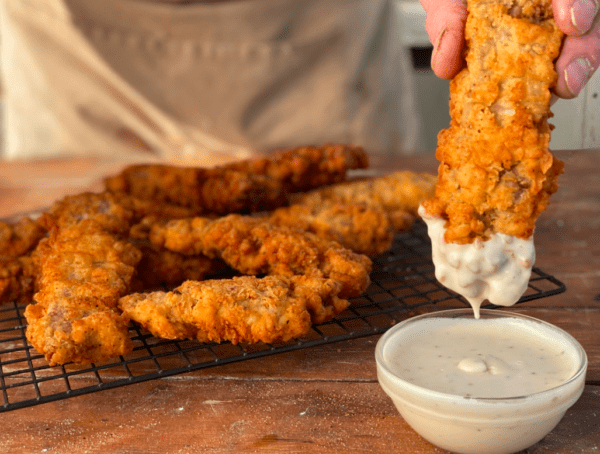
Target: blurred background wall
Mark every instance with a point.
(577, 120)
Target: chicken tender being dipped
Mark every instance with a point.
(496, 173)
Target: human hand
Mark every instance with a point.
(578, 60)
(445, 25)
(580, 55)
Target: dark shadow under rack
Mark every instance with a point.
(403, 284)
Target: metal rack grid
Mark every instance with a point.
(403, 284)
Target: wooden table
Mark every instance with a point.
(324, 399)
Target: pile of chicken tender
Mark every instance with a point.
(253, 251)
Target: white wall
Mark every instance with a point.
(577, 120)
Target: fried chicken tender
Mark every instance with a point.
(17, 279)
(246, 186)
(19, 238)
(83, 267)
(83, 271)
(106, 209)
(254, 246)
(398, 194)
(218, 191)
(17, 271)
(90, 257)
(243, 309)
(362, 229)
(307, 167)
(115, 212)
(496, 173)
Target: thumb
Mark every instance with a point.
(445, 25)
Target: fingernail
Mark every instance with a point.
(436, 49)
(583, 13)
(438, 43)
(577, 74)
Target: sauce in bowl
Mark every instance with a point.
(491, 358)
(497, 384)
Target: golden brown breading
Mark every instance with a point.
(105, 209)
(20, 238)
(87, 262)
(399, 194)
(254, 246)
(306, 167)
(496, 173)
(362, 229)
(142, 208)
(83, 267)
(17, 278)
(115, 212)
(218, 191)
(160, 183)
(83, 271)
(245, 186)
(243, 309)
(17, 270)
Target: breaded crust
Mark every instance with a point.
(496, 172)
(243, 309)
(254, 246)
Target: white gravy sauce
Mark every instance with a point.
(480, 358)
(497, 269)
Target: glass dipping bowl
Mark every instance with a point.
(472, 425)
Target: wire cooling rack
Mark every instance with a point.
(403, 284)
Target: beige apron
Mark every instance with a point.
(207, 82)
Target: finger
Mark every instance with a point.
(579, 59)
(445, 24)
(575, 17)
